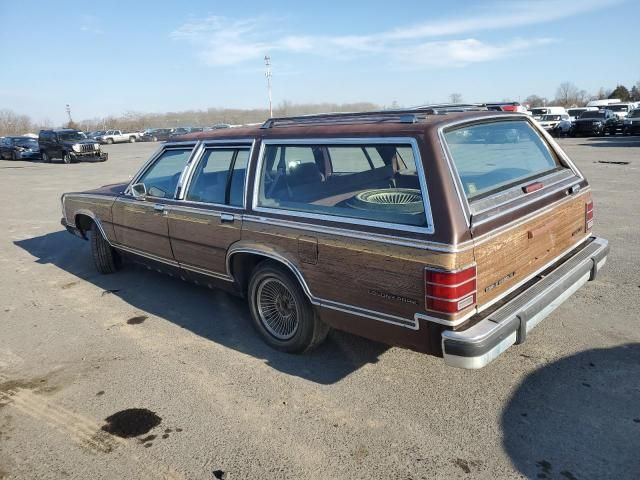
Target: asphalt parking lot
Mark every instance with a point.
(209, 400)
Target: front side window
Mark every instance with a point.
(492, 156)
(219, 177)
(161, 179)
(369, 181)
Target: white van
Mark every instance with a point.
(538, 112)
(603, 103)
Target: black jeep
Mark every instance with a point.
(69, 145)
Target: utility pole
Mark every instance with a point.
(68, 109)
(267, 73)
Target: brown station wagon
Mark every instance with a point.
(452, 233)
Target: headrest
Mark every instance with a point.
(304, 173)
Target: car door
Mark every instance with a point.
(208, 219)
(141, 224)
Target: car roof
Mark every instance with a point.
(344, 126)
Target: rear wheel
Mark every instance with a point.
(105, 257)
(281, 311)
(155, 139)
(132, 139)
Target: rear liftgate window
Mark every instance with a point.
(494, 156)
(373, 182)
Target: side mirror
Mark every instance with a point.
(139, 191)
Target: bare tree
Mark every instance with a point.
(455, 98)
(536, 101)
(567, 94)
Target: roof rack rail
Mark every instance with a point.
(405, 115)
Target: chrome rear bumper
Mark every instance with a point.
(483, 342)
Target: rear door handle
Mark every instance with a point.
(227, 218)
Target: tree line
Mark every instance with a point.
(569, 95)
(11, 123)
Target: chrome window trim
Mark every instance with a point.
(547, 140)
(156, 155)
(244, 143)
(377, 237)
(428, 229)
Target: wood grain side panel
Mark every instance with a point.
(510, 257)
(202, 240)
(366, 273)
(99, 207)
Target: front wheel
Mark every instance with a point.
(281, 312)
(66, 157)
(105, 257)
(110, 141)
(45, 157)
(132, 139)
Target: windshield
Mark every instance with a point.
(25, 142)
(550, 118)
(618, 108)
(493, 156)
(592, 115)
(71, 135)
(539, 111)
(574, 112)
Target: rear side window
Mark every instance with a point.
(493, 156)
(219, 177)
(365, 181)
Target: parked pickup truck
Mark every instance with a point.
(118, 136)
(453, 233)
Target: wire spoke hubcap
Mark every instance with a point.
(277, 309)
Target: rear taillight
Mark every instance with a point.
(509, 108)
(450, 291)
(588, 215)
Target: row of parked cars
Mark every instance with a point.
(597, 118)
(149, 135)
(70, 145)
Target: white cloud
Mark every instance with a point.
(221, 41)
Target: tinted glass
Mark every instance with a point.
(66, 136)
(339, 180)
(209, 183)
(490, 156)
(236, 195)
(592, 114)
(161, 179)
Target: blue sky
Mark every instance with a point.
(110, 57)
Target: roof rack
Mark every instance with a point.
(406, 115)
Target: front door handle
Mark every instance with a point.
(159, 208)
(227, 218)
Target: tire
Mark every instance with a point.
(66, 157)
(14, 157)
(104, 256)
(109, 141)
(155, 139)
(45, 157)
(293, 325)
(132, 139)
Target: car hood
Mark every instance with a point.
(111, 189)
